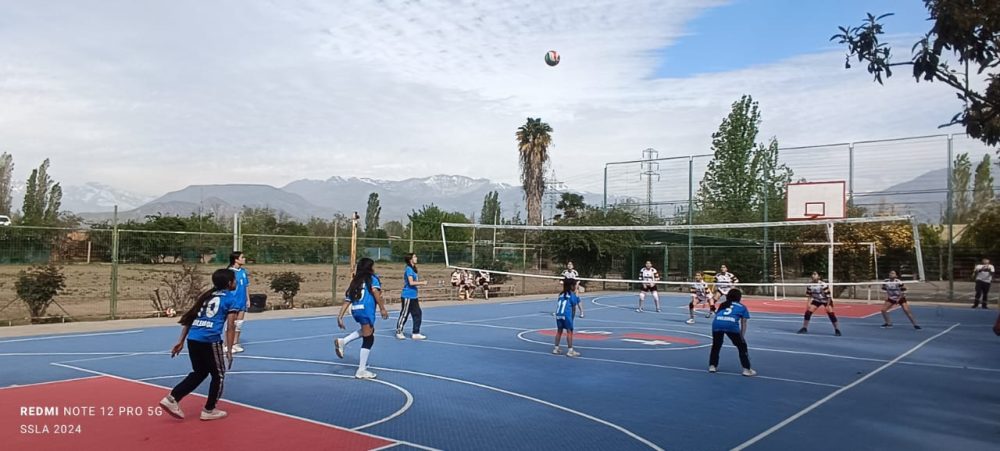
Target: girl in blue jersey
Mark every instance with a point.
(731, 321)
(363, 294)
(236, 262)
(203, 325)
(567, 306)
(410, 303)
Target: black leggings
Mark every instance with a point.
(410, 307)
(738, 341)
(206, 359)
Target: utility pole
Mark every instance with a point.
(650, 169)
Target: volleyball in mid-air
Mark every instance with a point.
(552, 58)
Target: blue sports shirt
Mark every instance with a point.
(728, 320)
(207, 327)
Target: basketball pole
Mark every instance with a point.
(354, 243)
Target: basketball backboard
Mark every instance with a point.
(816, 200)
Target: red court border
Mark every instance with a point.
(92, 428)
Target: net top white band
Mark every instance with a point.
(745, 225)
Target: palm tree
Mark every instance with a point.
(533, 140)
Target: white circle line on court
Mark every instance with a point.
(402, 410)
(523, 338)
(621, 429)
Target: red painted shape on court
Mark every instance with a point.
(843, 309)
(577, 335)
(667, 338)
(244, 428)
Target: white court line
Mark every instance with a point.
(313, 318)
(49, 382)
(483, 386)
(307, 420)
(29, 354)
(54, 337)
(816, 404)
(402, 410)
(624, 362)
(459, 323)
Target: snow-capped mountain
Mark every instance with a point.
(92, 197)
(303, 199)
(98, 197)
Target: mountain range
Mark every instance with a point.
(303, 199)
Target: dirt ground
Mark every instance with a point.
(88, 289)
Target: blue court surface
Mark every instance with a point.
(486, 378)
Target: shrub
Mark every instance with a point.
(180, 289)
(38, 286)
(288, 284)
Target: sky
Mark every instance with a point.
(151, 97)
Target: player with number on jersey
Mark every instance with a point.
(700, 296)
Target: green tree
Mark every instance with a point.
(742, 175)
(6, 183)
(288, 284)
(571, 204)
(593, 251)
(372, 215)
(490, 212)
(961, 174)
(42, 198)
(982, 191)
(981, 233)
(426, 225)
(533, 141)
(395, 228)
(962, 30)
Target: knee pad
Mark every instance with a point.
(808, 315)
(691, 305)
(833, 316)
(239, 325)
(367, 342)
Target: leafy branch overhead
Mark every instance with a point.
(964, 31)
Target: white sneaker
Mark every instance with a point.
(215, 414)
(418, 337)
(638, 310)
(237, 348)
(556, 350)
(364, 374)
(572, 353)
(400, 336)
(172, 406)
(712, 369)
(338, 347)
(657, 310)
(749, 372)
(690, 321)
(708, 314)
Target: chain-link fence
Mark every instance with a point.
(909, 176)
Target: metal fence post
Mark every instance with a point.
(951, 221)
(113, 308)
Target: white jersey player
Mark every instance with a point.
(700, 295)
(724, 281)
(648, 275)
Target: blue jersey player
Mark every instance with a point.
(236, 262)
(731, 321)
(568, 305)
(363, 295)
(203, 325)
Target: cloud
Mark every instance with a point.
(152, 97)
